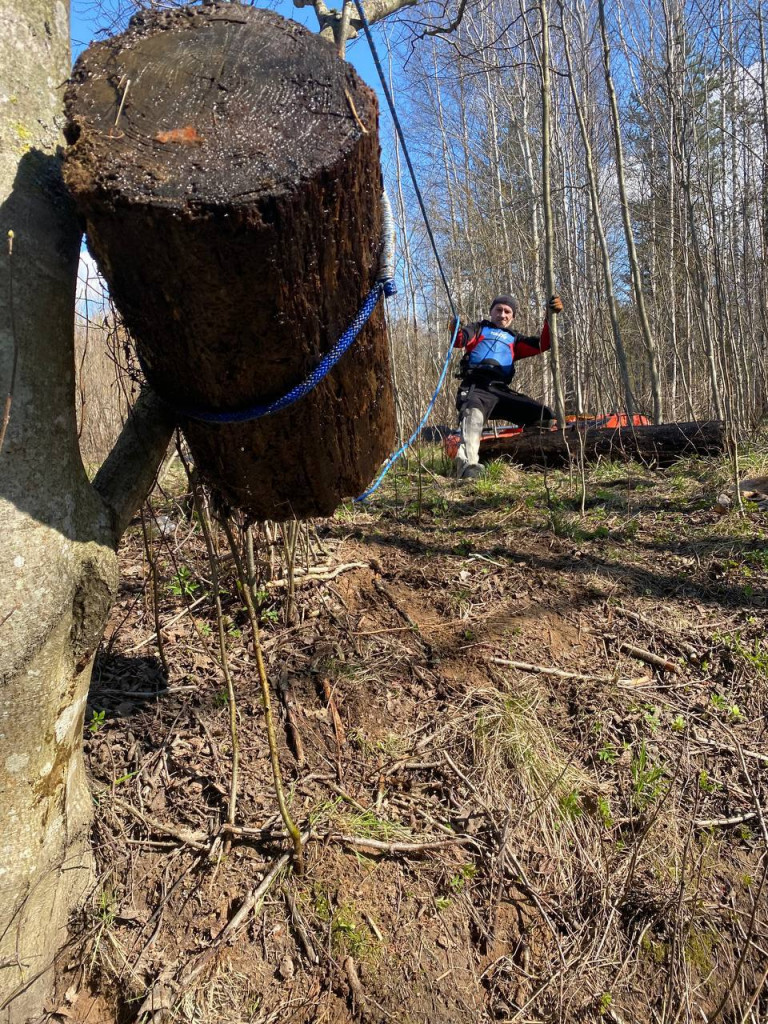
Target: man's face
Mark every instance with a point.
(502, 315)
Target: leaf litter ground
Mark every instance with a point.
(523, 725)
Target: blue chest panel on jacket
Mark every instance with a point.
(494, 346)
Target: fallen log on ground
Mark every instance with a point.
(654, 445)
(226, 163)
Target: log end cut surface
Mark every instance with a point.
(208, 106)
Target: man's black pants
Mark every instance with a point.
(497, 401)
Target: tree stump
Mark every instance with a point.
(226, 164)
(653, 445)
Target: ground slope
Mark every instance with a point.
(524, 727)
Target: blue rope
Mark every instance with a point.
(393, 458)
(323, 368)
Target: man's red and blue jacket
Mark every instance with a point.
(492, 352)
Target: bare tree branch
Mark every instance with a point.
(440, 30)
(339, 26)
(129, 470)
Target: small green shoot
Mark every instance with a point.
(107, 907)
(604, 811)
(607, 753)
(96, 722)
(651, 716)
(647, 779)
(706, 783)
(731, 710)
(604, 1003)
(570, 805)
(465, 873)
(123, 778)
(183, 583)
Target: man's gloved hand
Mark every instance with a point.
(555, 304)
(453, 323)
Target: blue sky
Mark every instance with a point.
(86, 21)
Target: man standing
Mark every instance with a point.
(491, 349)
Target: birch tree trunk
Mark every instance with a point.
(549, 240)
(597, 221)
(637, 284)
(58, 533)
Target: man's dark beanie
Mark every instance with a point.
(506, 300)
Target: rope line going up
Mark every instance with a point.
(446, 362)
(406, 154)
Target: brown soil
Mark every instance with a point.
(575, 876)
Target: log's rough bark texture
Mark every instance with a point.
(655, 445)
(226, 163)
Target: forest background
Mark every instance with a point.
(658, 193)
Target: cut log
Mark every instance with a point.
(654, 445)
(226, 164)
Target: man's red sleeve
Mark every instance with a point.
(462, 337)
(525, 347)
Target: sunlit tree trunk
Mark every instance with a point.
(637, 283)
(58, 532)
(550, 285)
(597, 222)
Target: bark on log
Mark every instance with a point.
(226, 163)
(654, 445)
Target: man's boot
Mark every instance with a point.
(468, 455)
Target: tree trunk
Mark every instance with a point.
(227, 165)
(546, 202)
(637, 283)
(656, 445)
(592, 183)
(57, 534)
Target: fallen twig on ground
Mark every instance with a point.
(399, 848)
(338, 727)
(358, 995)
(300, 928)
(395, 604)
(546, 670)
(315, 575)
(664, 664)
(724, 822)
(165, 993)
(197, 840)
(717, 745)
(690, 652)
(289, 706)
